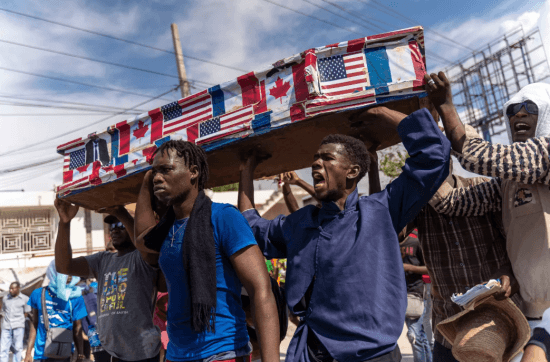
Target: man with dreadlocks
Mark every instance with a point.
(345, 275)
(206, 251)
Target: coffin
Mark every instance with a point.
(286, 110)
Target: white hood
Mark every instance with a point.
(539, 93)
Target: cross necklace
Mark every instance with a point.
(174, 233)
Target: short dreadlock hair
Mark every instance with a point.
(355, 149)
(192, 154)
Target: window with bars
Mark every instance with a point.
(24, 231)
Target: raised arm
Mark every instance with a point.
(145, 215)
(425, 169)
(271, 235)
(290, 200)
(441, 95)
(64, 262)
(473, 200)
(524, 162)
(291, 178)
(374, 173)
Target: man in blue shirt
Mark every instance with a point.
(206, 251)
(345, 276)
(65, 309)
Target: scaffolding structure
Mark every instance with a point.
(485, 80)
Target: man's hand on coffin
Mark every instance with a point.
(252, 159)
(441, 95)
(439, 89)
(116, 211)
(66, 210)
(382, 115)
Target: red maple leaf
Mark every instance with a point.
(280, 90)
(141, 130)
(82, 169)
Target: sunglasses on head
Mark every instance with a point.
(115, 225)
(530, 107)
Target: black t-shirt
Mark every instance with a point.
(412, 254)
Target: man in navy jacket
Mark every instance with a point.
(345, 275)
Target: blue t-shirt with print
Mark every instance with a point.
(61, 314)
(231, 234)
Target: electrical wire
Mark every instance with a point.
(343, 17)
(51, 114)
(120, 39)
(65, 102)
(91, 124)
(414, 22)
(17, 104)
(313, 17)
(100, 61)
(354, 15)
(78, 83)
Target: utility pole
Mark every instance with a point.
(184, 84)
(88, 226)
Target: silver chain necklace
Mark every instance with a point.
(174, 233)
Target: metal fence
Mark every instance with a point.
(484, 81)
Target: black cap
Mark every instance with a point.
(110, 219)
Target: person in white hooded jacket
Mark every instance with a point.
(520, 184)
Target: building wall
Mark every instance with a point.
(28, 229)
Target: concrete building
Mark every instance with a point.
(28, 228)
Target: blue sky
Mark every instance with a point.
(247, 35)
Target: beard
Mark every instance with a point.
(124, 245)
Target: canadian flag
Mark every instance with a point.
(134, 136)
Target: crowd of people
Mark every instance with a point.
(354, 269)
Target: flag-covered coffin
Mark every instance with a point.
(286, 110)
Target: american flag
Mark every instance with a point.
(343, 74)
(187, 112)
(225, 125)
(77, 159)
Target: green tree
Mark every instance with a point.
(230, 187)
(391, 164)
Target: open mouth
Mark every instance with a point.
(521, 128)
(318, 180)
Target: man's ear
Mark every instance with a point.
(353, 171)
(194, 170)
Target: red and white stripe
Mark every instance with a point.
(319, 106)
(230, 123)
(195, 109)
(70, 145)
(356, 78)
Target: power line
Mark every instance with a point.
(99, 61)
(30, 165)
(50, 114)
(343, 17)
(78, 83)
(353, 14)
(88, 125)
(414, 22)
(16, 104)
(120, 39)
(65, 102)
(313, 17)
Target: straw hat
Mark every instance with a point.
(487, 330)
